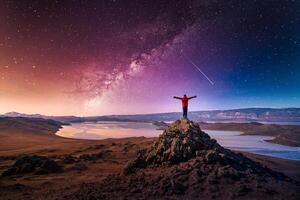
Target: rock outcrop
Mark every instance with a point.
(184, 140)
(179, 142)
(33, 165)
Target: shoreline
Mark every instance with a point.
(244, 128)
(288, 135)
(292, 151)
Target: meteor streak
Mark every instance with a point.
(198, 68)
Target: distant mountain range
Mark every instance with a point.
(235, 115)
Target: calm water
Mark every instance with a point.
(230, 139)
(262, 122)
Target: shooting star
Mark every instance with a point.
(198, 68)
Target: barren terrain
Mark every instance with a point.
(82, 161)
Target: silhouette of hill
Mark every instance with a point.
(29, 125)
(234, 115)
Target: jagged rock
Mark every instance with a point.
(33, 164)
(184, 140)
(179, 142)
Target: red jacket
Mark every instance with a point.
(185, 100)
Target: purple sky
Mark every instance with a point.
(117, 57)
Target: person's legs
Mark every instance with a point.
(185, 112)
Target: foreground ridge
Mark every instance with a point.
(185, 163)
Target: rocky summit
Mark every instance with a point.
(185, 163)
(184, 140)
(179, 142)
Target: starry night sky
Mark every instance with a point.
(126, 56)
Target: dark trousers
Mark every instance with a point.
(185, 110)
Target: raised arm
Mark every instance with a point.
(192, 97)
(176, 97)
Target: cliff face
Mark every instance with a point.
(185, 163)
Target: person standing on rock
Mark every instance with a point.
(184, 101)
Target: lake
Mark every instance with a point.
(229, 139)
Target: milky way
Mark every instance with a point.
(124, 56)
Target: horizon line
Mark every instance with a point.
(208, 110)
